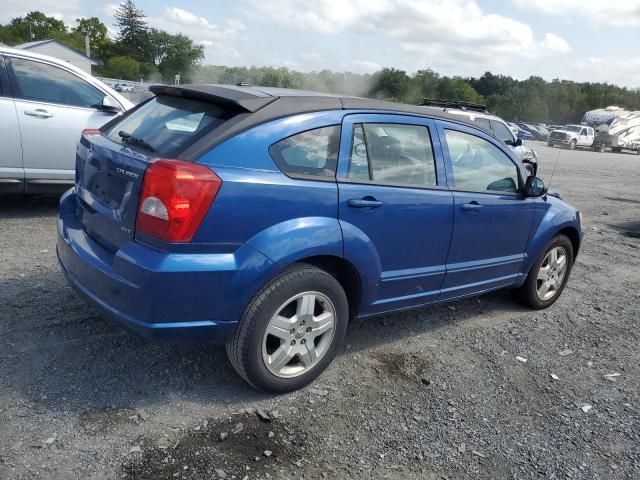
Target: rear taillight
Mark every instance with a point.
(175, 198)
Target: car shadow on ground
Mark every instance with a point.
(28, 206)
(62, 354)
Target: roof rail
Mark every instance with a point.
(459, 104)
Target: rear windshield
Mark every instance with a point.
(168, 125)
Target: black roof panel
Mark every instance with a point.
(257, 105)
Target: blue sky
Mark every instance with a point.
(593, 40)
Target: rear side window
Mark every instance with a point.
(390, 153)
(311, 153)
(167, 125)
(45, 83)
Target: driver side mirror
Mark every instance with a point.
(534, 187)
(517, 143)
(109, 105)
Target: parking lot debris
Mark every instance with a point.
(143, 414)
(565, 352)
(50, 440)
(478, 454)
(612, 377)
(522, 359)
(223, 436)
(267, 453)
(238, 428)
(554, 377)
(262, 415)
(586, 408)
(271, 435)
(319, 391)
(135, 449)
(221, 473)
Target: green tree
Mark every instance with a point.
(92, 28)
(132, 26)
(121, 67)
(390, 84)
(41, 26)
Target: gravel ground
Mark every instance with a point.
(435, 393)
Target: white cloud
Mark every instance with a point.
(621, 71)
(178, 20)
(435, 31)
(599, 12)
(554, 43)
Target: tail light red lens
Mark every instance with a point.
(175, 198)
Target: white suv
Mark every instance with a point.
(45, 103)
(478, 114)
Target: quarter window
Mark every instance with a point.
(483, 123)
(392, 153)
(314, 152)
(480, 166)
(45, 83)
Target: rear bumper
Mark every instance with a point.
(177, 297)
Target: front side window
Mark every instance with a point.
(502, 132)
(391, 153)
(314, 152)
(479, 165)
(41, 82)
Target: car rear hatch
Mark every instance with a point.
(111, 163)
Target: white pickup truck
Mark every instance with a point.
(572, 136)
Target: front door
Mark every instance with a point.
(53, 106)
(11, 172)
(394, 208)
(492, 219)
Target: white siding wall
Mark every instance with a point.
(54, 50)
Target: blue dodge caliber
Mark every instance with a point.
(266, 218)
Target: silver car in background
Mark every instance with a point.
(45, 103)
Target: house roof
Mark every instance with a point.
(39, 43)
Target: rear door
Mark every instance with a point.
(395, 210)
(53, 105)
(492, 219)
(11, 172)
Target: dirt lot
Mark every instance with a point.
(436, 393)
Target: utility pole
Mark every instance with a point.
(87, 47)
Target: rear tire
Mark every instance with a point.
(284, 339)
(603, 147)
(546, 280)
(549, 144)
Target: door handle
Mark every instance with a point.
(38, 112)
(366, 202)
(472, 207)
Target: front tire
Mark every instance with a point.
(291, 330)
(548, 276)
(572, 145)
(549, 144)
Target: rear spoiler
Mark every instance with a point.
(240, 99)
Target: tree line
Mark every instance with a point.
(138, 52)
(143, 52)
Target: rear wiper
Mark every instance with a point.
(128, 138)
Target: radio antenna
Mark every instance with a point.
(554, 170)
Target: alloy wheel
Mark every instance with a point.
(551, 273)
(299, 334)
